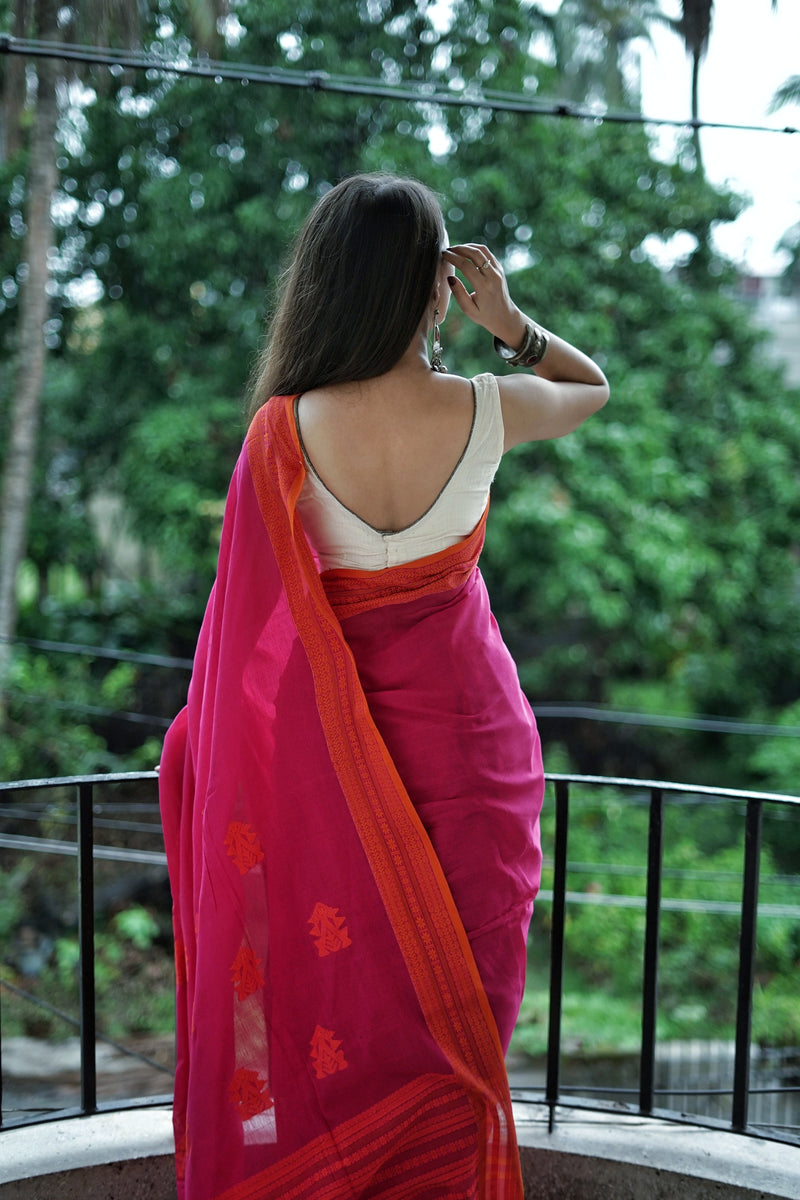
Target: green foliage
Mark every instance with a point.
(66, 959)
(41, 736)
(12, 882)
(133, 981)
(628, 553)
(698, 948)
(647, 562)
(137, 926)
(593, 1023)
(776, 760)
(58, 710)
(776, 1015)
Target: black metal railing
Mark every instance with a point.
(86, 851)
(555, 1095)
(754, 803)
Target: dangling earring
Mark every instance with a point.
(436, 351)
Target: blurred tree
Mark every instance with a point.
(17, 483)
(591, 42)
(658, 543)
(46, 21)
(694, 26)
(182, 197)
(787, 93)
(648, 560)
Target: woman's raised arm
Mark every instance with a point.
(566, 387)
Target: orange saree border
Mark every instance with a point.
(438, 1127)
(410, 880)
(350, 592)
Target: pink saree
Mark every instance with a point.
(350, 803)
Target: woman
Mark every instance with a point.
(351, 796)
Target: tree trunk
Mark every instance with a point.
(696, 56)
(14, 88)
(21, 455)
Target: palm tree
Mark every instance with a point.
(47, 20)
(694, 26)
(787, 93)
(590, 40)
(13, 75)
(42, 177)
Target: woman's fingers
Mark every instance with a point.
(485, 298)
(478, 266)
(461, 296)
(471, 258)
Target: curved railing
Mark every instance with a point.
(642, 1101)
(658, 794)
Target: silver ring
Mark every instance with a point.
(484, 265)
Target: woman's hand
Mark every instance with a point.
(489, 303)
(566, 386)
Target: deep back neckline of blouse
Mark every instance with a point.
(387, 532)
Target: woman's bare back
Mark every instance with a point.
(386, 447)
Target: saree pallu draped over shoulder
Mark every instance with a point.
(350, 804)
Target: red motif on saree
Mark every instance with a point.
(250, 1094)
(243, 846)
(326, 1053)
(328, 930)
(246, 972)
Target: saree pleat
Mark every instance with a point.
(335, 1035)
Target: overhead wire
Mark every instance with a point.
(323, 81)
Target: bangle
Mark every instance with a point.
(532, 351)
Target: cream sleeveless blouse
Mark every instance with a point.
(341, 539)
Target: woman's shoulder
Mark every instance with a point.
(486, 387)
(488, 407)
(477, 398)
(483, 387)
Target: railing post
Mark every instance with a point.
(1, 1059)
(747, 957)
(557, 947)
(88, 1029)
(655, 854)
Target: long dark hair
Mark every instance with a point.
(356, 289)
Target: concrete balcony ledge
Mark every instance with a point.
(602, 1156)
(126, 1155)
(589, 1156)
